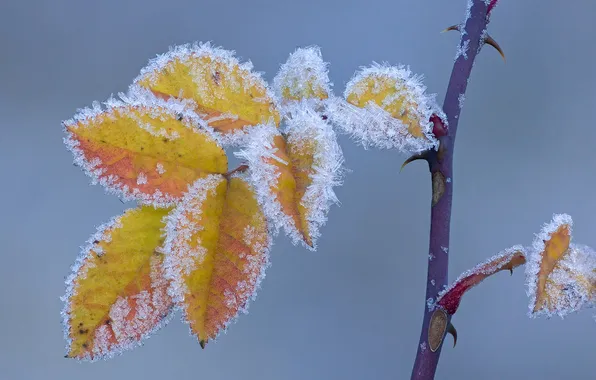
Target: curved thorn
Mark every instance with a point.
(452, 27)
(421, 156)
(451, 330)
(490, 41)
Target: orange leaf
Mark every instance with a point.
(117, 295)
(142, 150)
(219, 245)
(228, 95)
(294, 173)
(561, 275)
(450, 298)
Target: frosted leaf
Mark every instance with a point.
(128, 146)
(560, 275)
(303, 76)
(450, 297)
(184, 253)
(294, 177)
(309, 137)
(116, 296)
(387, 107)
(260, 154)
(226, 93)
(219, 245)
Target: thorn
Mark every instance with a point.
(490, 41)
(421, 156)
(511, 270)
(451, 330)
(240, 169)
(202, 343)
(452, 27)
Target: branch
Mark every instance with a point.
(473, 34)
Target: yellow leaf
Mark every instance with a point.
(227, 94)
(218, 243)
(303, 76)
(117, 294)
(395, 91)
(387, 107)
(148, 152)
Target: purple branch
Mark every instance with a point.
(473, 32)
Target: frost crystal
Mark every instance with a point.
(462, 50)
(430, 304)
(184, 254)
(303, 76)
(372, 124)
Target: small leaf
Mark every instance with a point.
(117, 294)
(387, 107)
(143, 150)
(226, 94)
(508, 259)
(218, 242)
(304, 76)
(294, 173)
(561, 275)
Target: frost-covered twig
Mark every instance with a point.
(473, 32)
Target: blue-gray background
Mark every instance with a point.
(353, 309)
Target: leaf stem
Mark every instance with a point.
(473, 33)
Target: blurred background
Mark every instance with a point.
(351, 310)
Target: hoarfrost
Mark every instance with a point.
(141, 179)
(462, 50)
(303, 75)
(461, 98)
(430, 304)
